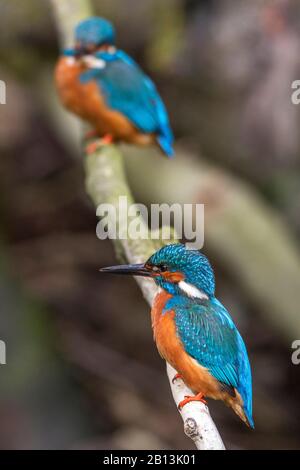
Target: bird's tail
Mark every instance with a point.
(247, 419)
(242, 408)
(165, 141)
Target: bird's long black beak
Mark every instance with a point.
(133, 269)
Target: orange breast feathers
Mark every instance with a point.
(86, 100)
(195, 376)
(171, 349)
(66, 77)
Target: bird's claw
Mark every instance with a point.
(176, 376)
(94, 146)
(188, 399)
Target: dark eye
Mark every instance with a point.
(159, 268)
(163, 267)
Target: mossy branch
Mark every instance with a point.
(105, 183)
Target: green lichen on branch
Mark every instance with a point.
(106, 183)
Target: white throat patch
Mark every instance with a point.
(192, 291)
(93, 62)
(70, 61)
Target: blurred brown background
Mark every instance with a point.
(82, 369)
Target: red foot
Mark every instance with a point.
(93, 146)
(107, 139)
(176, 376)
(188, 399)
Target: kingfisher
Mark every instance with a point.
(193, 331)
(107, 88)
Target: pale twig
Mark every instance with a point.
(105, 183)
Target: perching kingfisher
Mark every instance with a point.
(193, 331)
(106, 87)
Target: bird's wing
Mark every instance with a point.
(209, 335)
(161, 111)
(128, 90)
